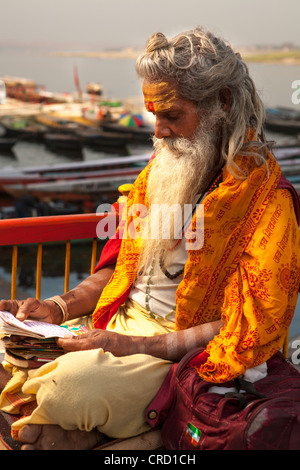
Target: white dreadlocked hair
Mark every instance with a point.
(202, 67)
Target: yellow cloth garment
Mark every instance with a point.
(12, 399)
(247, 272)
(88, 389)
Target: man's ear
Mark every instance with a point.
(225, 98)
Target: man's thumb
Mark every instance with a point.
(22, 313)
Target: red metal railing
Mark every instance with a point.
(39, 230)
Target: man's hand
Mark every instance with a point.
(80, 301)
(117, 344)
(33, 309)
(169, 346)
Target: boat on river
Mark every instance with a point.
(80, 189)
(142, 134)
(71, 181)
(6, 144)
(23, 127)
(287, 155)
(79, 131)
(289, 160)
(61, 141)
(97, 138)
(58, 123)
(283, 120)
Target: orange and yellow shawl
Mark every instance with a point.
(247, 273)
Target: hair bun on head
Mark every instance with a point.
(157, 41)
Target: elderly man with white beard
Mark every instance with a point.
(151, 300)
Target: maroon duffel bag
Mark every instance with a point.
(260, 416)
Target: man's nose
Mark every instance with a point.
(161, 129)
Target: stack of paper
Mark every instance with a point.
(10, 325)
(34, 343)
(31, 352)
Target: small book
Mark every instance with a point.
(10, 325)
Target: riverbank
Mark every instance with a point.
(274, 57)
(266, 56)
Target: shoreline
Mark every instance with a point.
(265, 57)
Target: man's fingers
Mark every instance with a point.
(68, 343)
(23, 312)
(19, 308)
(9, 305)
(5, 305)
(26, 308)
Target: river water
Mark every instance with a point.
(119, 81)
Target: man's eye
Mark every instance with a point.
(172, 117)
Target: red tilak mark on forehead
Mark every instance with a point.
(150, 106)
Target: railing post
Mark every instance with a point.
(38, 270)
(285, 347)
(94, 255)
(67, 265)
(14, 271)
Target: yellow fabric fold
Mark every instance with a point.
(12, 398)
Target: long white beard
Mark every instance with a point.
(181, 170)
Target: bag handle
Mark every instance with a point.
(248, 387)
(242, 402)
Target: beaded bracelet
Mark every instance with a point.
(62, 305)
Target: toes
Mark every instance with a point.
(27, 447)
(29, 433)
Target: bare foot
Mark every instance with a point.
(53, 437)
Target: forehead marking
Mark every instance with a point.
(159, 96)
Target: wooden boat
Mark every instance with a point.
(23, 127)
(288, 113)
(58, 124)
(287, 155)
(142, 134)
(72, 170)
(87, 178)
(98, 138)
(6, 143)
(75, 190)
(26, 90)
(62, 122)
(89, 133)
(283, 120)
(63, 141)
